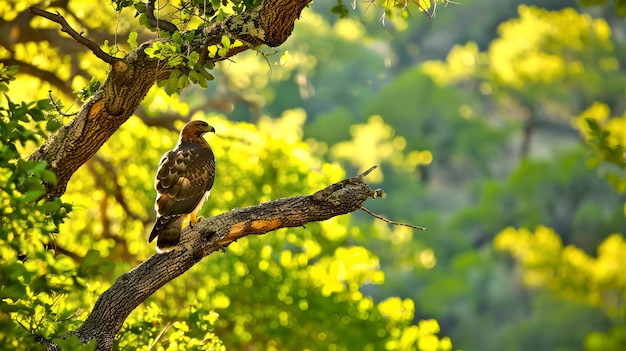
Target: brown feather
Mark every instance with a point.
(185, 175)
(169, 235)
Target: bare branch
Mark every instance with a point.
(65, 27)
(56, 106)
(210, 235)
(157, 22)
(389, 221)
(364, 174)
(111, 175)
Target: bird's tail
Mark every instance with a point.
(168, 229)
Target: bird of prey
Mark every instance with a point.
(183, 181)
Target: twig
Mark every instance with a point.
(65, 27)
(56, 106)
(157, 22)
(160, 336)
(389, 221)
(364, 174)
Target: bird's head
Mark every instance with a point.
(195, 129)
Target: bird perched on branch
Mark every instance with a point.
(183, 182)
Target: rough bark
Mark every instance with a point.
(130, 78)
(210, 235)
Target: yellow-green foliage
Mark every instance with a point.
(535, 48)
(606, 136)
(288, 289)
(598, 281)
(539, 47)
(374, 143)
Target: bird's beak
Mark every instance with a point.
(208, 129)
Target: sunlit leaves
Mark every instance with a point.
(397, 309)
(567, 269)
(461, 64)
(186, 66)
(132, 40)
(7, 74)
(374, 143)
(194, 330)
(534, 48)
(34, 284)
(346, 271)
(606, 137)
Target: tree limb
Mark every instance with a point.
(65, 27)
(47, 76)
(210, 235)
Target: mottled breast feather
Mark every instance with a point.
(183, 178)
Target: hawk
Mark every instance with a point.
(183, 181)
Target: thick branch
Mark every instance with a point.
(130, 78)
(208, 236)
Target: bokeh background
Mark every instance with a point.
(498, 125)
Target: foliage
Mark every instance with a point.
(566, 268)
(606, 138)
(537, 68)
(34, 282)
(620, 5)
(303, 278)
(438, 116)
(444, 132)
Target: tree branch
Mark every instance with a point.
(65, 27)
(47, 76)
(208, 236)
(157, 22)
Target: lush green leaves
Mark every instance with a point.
(33, 282)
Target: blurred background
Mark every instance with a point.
(498, 125)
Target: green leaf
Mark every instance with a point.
(48, 176)
(193, 59)
(32, 195)
(225, 42)
(207, 75)
(183, 82)
(177, 38)
(53, 125)
(132, 40)
(49, 207)
(171, 85)
(91, 263)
